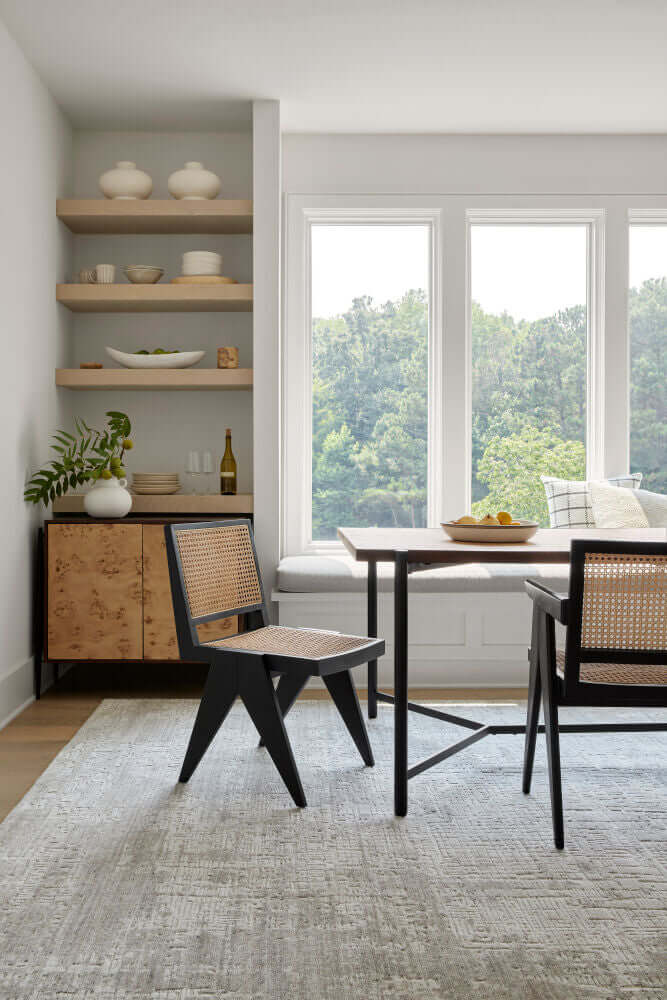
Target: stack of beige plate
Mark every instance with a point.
(155, 483)
(202, 267)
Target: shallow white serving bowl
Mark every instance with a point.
(508, 534)
(184, 359)
(143, 274)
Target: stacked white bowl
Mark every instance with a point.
(197, 262)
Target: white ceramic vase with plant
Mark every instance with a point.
(108, 498)
(93, 457)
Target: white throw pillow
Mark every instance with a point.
(569, 501)
(616, 507)
(654, 506)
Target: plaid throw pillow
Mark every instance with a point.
(569, 502)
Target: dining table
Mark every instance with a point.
(412, 548)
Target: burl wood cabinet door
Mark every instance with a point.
(160, 642)
(94, 592)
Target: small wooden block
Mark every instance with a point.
(90, 364)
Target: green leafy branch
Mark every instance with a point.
(92, 455)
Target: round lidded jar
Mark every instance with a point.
(194, 183)
(125, 182)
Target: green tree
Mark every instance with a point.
(512, 465)
(648, 383)
(529, 394)
(370, 378)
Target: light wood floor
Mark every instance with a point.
(31, 740)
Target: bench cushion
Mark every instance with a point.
(319, 574)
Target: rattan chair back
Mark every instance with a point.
(214, 574)
(218, 568)
(618, 605)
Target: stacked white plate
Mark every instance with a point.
(157, 483)
(197, 262)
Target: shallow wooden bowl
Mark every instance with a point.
(508, 534)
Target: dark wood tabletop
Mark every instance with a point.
(431, 545)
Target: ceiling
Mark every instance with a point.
(353, 65)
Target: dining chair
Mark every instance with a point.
(214, 575)
(615, 652)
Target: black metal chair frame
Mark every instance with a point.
(249, 674)
(554, 691)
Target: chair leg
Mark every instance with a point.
(342, 690)
(534, 697)
(547, 658)
(289, 688)
(260, 698)
(219, 693)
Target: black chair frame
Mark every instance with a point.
(249, 674)
(554, 691)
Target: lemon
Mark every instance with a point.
(467, 520)
(504, 517)
(489, 519)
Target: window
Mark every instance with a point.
(529, 326)
(648, 354)
(369, 319)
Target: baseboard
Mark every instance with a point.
(17, 688)
(16, 691)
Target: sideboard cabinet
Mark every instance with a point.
(105, 594)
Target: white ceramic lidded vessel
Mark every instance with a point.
(125, 181)
(108, 498)
(194, 183)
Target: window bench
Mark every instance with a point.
(475, 637)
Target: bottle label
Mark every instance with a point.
(227, 475)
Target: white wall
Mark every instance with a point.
(167, 425)
(36, 149)
(463, 164)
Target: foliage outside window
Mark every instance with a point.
(369, 384)
(647, 306)
(529, 372)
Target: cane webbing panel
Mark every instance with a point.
(616, 673)
(624, 601)
(300, 642)
(218, 569)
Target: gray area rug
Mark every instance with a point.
(117, 882)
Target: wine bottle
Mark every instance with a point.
(228, 467)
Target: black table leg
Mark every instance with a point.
(372, 632)
(401, 683)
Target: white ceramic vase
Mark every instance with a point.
(126, 182)
(194, 183)
(108, 498)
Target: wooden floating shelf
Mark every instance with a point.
(155, 298)
(154, 378)
(155, 215)
(174, 503)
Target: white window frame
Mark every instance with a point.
(450, 446)
(636, 217)
(302, 213)
(593, 220)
